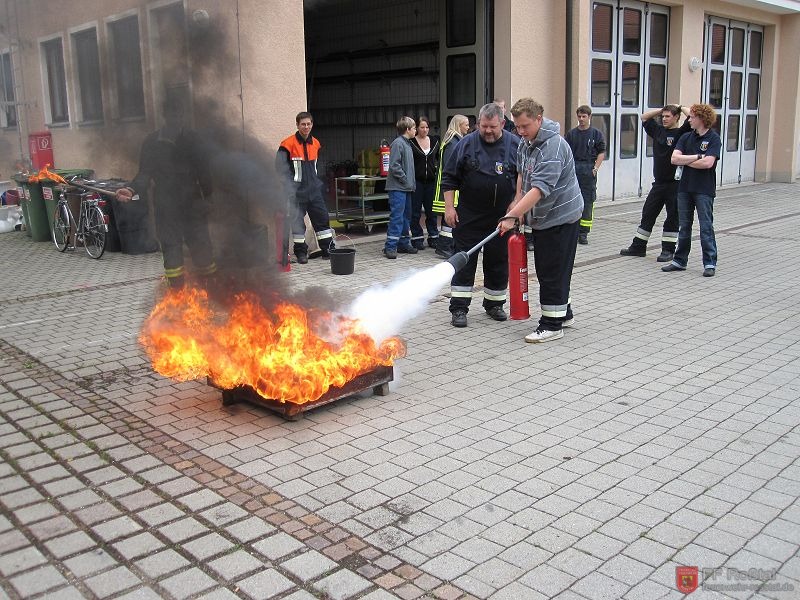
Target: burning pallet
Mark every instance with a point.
(378, 379)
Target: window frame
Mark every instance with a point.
(4, 123)
(76, 75)
(114, 105)
(47, 96)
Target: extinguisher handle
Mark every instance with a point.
(516, 222)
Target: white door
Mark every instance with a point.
(628, 77)
(731, 85)
(463, 59)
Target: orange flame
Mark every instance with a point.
(45, 173)
(277, 354)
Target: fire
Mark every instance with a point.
(45, 173)
(279, 354)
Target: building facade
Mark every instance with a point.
(96, 74)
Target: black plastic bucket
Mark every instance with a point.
(343, 260)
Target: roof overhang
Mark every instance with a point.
(781, 7)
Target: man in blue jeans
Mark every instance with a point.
(400, 184)
(696, 155)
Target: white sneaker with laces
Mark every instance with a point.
(544, 335)
(568, 322)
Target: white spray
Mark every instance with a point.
(384, 309)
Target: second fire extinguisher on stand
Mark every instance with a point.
(384, 151)
(518, 275)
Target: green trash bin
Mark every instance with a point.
(33, 209)
(51, 191)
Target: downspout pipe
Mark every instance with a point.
(568, 65)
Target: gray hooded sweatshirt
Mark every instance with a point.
(546, 163)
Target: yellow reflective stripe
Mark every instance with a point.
(212, 268)
(460, 292)
(299, 239)
(669, 236)
(176, 272)
(553, 310)
(494, 294)
(586, 223)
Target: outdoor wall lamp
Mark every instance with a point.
(695, 64)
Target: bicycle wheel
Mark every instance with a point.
(61, 227)
(94, 233)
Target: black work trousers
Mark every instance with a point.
(179, 220)
(588, 184)
(554, 257)
(661, 195)
(495, 266)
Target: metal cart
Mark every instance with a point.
(356, 197)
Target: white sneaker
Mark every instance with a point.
(544, 335)
(568, 322)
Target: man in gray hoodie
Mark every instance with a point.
(549, 197)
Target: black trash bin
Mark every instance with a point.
(128, 222)
(132, 222)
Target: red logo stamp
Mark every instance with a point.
(686, 579)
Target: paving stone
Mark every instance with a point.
(162, 563)
(112, 582)
(138, 545)
(309, 565)
(233, 565)
(187, 583)
(277, 546)
(68, 545)
(206, 546)
(266, 584)
(89, 562)
(37, 580)
(20, 560)
(341, 585)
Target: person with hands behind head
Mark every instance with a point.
(664, 191)
(696, 155)
(549, 197)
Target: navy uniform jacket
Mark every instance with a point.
(485, 176)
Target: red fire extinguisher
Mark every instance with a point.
(384, 152)
(518, 275)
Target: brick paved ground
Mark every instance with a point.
(661, 431)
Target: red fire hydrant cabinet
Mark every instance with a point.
(40, 144)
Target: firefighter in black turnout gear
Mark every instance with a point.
(483, 168)
(174, 161)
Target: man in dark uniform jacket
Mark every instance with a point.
(483, 168)
(589, 149)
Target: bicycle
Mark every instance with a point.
(90, 228)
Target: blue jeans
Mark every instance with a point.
(688, 203)
(398, 233)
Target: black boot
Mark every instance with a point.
(301, 252)
(667, 252)
(444, 246)
(637, 248)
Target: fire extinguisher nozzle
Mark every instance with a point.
(459, 260)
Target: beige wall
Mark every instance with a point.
(260, 105)
(530, 52)
(536, 66)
